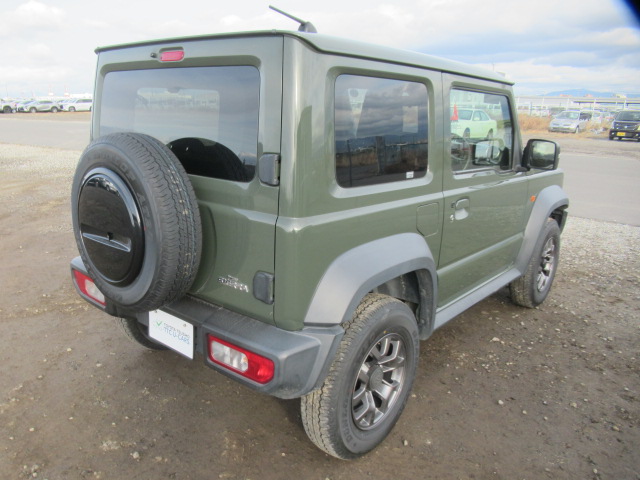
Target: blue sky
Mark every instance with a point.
(543, 46)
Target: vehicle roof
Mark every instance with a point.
(346, 47)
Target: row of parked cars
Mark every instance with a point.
(53, 106)
(625, 124)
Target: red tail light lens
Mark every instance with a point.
(87, 288)
(172, 56)
(241, 361)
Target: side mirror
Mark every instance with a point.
(541, 155)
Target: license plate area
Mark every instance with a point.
(175, 333)
(621, 134)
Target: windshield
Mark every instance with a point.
(208, 116)
(629, 117)
(569, 115)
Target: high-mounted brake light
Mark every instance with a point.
(88, 288)
(172, 56)
(248, 364)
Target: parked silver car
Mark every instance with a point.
(40, 106)
(571, 121)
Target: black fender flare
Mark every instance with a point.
(360, 270)
(548, 201)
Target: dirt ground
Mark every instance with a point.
(502, 392)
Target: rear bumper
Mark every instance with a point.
(301, 358)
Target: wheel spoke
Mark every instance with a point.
(386, 393)
(365, 413)
(378, 352)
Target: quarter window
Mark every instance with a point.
(481, 131)
(381, 130)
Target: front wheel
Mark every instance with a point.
(369, 382)
(532, 288)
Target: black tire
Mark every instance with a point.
(336, 417)
(54, 109)
(7, 109)
(32, 110)
(139, 333)
(72, 109)
(532, 288)
(136, 221)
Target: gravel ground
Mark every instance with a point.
(502, 392)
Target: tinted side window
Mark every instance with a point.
(381, 130)
(208, 116)
(481, 131)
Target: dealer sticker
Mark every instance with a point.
(171, 331)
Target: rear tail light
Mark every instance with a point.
(88, 289)
(243, 362)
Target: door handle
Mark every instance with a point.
(461, 204)
(461, 208)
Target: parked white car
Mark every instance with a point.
(472, 123)
(78, 105)
(7, 106)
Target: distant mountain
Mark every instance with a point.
(582, 92)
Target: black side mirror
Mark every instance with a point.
(541, 155)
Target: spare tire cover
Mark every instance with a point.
(136, 221)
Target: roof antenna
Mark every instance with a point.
(304, 26)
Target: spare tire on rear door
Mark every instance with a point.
(136, 221)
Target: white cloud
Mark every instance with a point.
(536, 79)
(38, 51)
(549, 45)
(31, 15)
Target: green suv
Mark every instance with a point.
(299, 211)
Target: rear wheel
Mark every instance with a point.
(72, 109)
(369, 381)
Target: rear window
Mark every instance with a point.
(208, 116)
